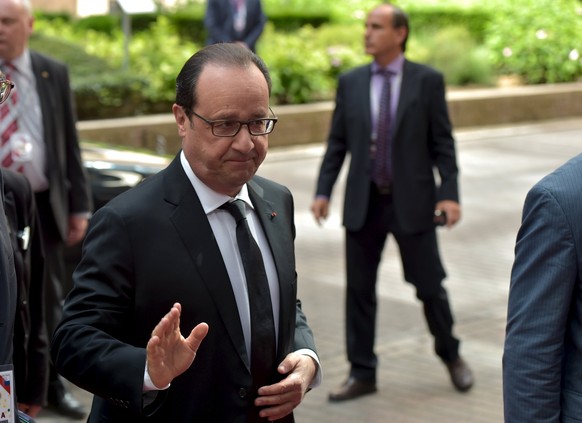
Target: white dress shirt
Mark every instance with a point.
(28, 140)
(224, 229)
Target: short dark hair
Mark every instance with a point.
(400, 20)
(223, 54)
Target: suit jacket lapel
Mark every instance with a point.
(43, 79)
(203, 250)
(366, 100)
(407, 95)
(42, 76)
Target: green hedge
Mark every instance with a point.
(540, 43)
(434, 19)
(189, 22)
(306, 47)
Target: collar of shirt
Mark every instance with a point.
(395, 66)
(210, 199)
(23, 64)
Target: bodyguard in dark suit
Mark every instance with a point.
(162, 259)
(239, 21)
(23, 339)
(8, 285)
(39, 139)
(402, 201)
(542, 359)
(31, 354)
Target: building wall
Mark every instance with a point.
(68, 6)
(86, 7)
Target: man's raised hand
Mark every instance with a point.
(169, 354)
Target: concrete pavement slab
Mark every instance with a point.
(498, 166)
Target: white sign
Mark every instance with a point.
(137, 6)
(8, 409)
(90, 8)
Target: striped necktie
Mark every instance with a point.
(9, 120)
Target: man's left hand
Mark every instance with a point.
(452, 210)
(31, 410)
(281, 398)
(77, 228)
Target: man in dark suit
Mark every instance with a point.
(401, 201)
(39, 139)
(24, 332)
(542, 359)
(163, 256)
(8, 285)
(31, 354)
(240, 21)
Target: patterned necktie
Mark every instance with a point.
(382, 170)
(263, 342)
(8, 118)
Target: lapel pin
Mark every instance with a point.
(273, 215)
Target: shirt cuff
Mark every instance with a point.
(86, 215)
(319, 375)
(148, 385)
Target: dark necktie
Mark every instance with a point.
(382, 170)
(263, 342)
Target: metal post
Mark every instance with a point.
(126, 25)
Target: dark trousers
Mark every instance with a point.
(54, 262)
(422, 267)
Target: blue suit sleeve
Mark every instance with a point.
(542, 281)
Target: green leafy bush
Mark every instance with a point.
(105, 24)
(538, 40)
(103, 86)
(454, 52)
(159, 54)
(298, 69)
(436, 18)
(189, 25)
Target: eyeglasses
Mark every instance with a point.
(5, 88)
(229, 128)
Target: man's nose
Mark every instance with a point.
(244, 141)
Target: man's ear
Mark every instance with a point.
(181, 119)
(402, 32)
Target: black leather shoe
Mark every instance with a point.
(64, 403)
(461, 375)
(352, 388)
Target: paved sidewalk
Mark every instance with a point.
(498, 166)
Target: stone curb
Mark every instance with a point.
(309, 124)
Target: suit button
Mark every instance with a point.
(242, 392)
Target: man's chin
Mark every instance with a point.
(241, 177)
